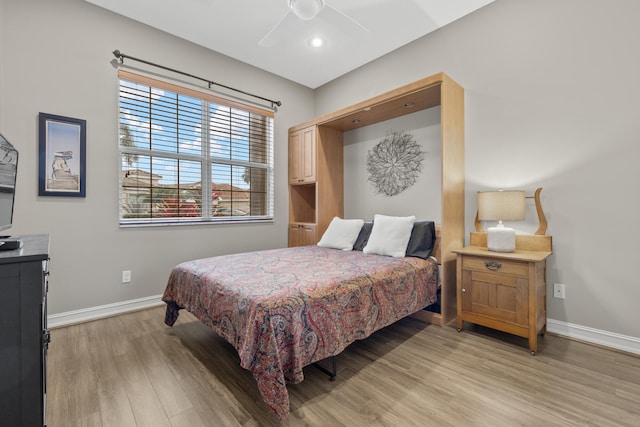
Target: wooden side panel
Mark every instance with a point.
(330, 177)
(541, 296)
(452, 128)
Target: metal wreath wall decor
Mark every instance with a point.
(395, 163)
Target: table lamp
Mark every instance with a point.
(501, 206)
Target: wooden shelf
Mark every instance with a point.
(302, 203)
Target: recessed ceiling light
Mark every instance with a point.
(316, 42)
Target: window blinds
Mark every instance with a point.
(188, 156)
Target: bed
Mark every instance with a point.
(284, 309)
(285, 328)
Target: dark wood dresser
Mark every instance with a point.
(24, 336)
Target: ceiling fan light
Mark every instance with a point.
(306, 9)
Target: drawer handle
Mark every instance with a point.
(492, 265)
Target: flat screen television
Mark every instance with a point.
(8, 175)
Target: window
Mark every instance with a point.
(191, 157)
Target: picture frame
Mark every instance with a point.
(61, 156)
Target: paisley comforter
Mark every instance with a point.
(284, 309)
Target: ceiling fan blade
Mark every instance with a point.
(340, 19)
(282, 29)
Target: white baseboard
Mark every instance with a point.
(102, 311)
(594, 336)
(569, 330)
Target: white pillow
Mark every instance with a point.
(390, 235)
(341, 233)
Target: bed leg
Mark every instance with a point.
(331, 373)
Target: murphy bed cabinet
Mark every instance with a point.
(24, 337)
(314, 201)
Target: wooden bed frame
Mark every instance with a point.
(327, 201)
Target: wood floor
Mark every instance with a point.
(132, 370)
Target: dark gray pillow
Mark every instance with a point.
(363, 237)
(423, 238)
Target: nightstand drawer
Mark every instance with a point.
(498, 266)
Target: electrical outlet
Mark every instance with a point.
(126, 276)
(558, 290)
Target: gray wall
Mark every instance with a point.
(421, 199)
(551, 93)
(55, 58)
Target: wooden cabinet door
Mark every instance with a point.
(302, 235)
(503, 298)
(295, 153)
(302, 156)
(308, 155)
(294, 235)
(308, 237)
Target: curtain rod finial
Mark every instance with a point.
(118, 55)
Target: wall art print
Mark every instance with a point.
(62, 156)
(395, 163)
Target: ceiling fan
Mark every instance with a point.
(309, 10)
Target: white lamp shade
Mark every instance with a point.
(501, 205)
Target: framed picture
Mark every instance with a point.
(62, 156)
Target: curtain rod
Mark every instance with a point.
(121, 56)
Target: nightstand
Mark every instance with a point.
(503, 291)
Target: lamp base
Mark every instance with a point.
(501, 239)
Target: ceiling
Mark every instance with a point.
(236, 28)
